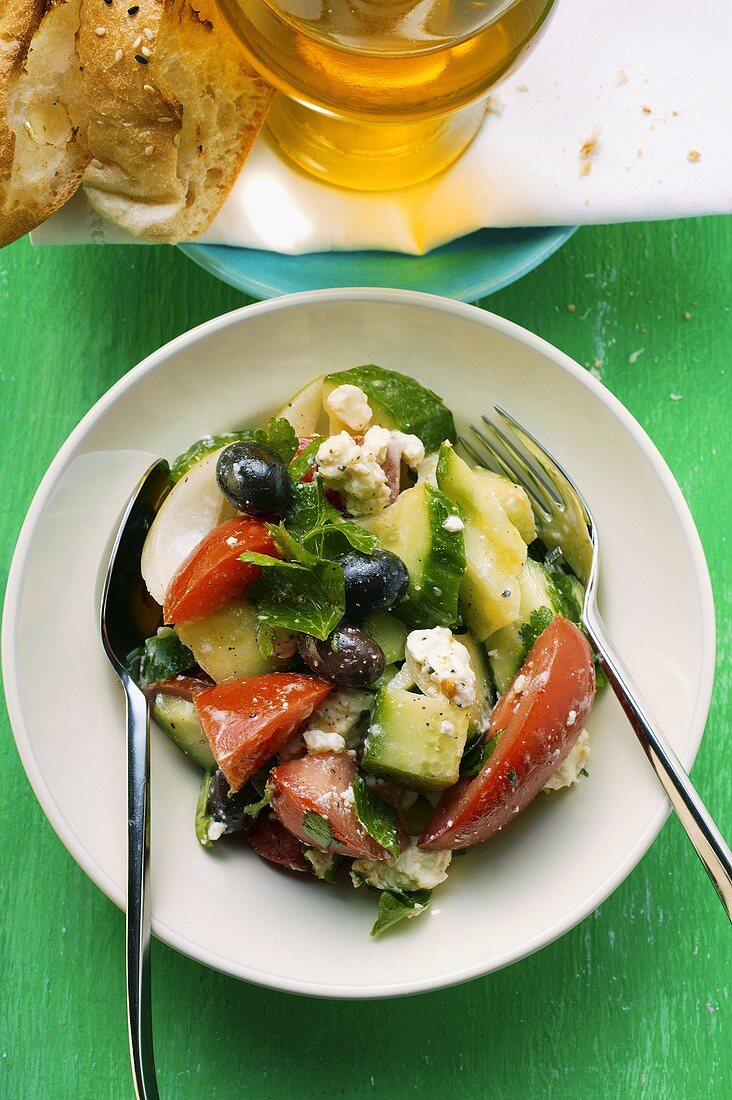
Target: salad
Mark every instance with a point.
(371, 648)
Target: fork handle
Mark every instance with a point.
(139, 1013)
(692, 813)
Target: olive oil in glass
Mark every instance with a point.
(379, 94)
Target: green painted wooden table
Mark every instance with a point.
(635, 1002)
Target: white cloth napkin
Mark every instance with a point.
(649, 82)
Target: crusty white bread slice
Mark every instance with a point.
(43, 151)
(176, 108)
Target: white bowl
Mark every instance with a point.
(228, 909)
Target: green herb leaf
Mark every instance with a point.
(512, 777)
(584, 771)
(302, 463)
(567, 587)
(378, 818)
(310, 509)
(538, 622)
(476, 752)
(279, 436)
(255, 808)
(600, 675)
(203, 447)
(341, 534)
(318, 828)
(164, 656)
(303, 598)
(395, 907)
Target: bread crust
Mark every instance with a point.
(169, 134)
(154, 104)
(43, 152)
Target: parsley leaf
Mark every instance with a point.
(321, 527)
(164, 656)
(308, 598)
(279, 436)
(310, 509)
(378, 818)
(302, 462)
(394, 907)
(538, 622)
(255, 808)
(476, 752)
(318, 828)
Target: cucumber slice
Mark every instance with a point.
(179, 720)
(413, 529)
(484, 690)
(416, 740)
(389, 632)
(398, 401)
(494, 550)
(225, 643)
(506, 650)
(514, 501)
(305, 410)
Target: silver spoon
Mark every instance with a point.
(128, 616)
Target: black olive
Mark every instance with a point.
(374, 582)
(254, 479)
(225, 808)
(349, 658)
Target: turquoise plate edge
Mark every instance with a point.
(465, 269)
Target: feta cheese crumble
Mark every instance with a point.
(216, 829)
(569, 770)
(410, 449)
(453, 523)
(341, 714)
(351, 406)
(354, 469)
(440, 665)
(412, 869)
(322, 741)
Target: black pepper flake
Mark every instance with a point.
(512, 777)
(109, 2)
(133, 10)
(141, 59)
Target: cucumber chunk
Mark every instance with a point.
(179, 720)
(484, 690)
(398, 401)
(389, 632)
(506, 649)
(416, 740)
(225, 643)
(413, 528)
(514, 501)
(305, 410)
(494, 550)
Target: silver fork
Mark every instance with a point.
(564, 523)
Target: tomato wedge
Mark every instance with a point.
(271, 841)
(213, 574)
(247, 721)
(541, 715)
(321, 784)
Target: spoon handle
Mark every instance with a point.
(139, 1013)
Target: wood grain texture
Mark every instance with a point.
(635, 1002)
